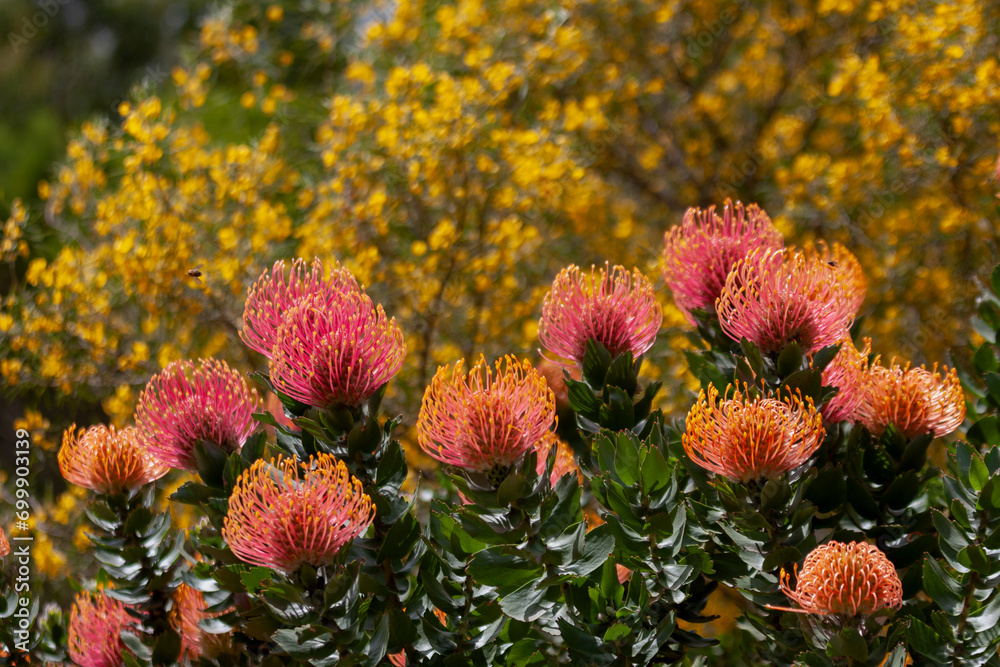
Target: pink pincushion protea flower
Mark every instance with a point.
(699, 253)
(915, 400)
(186, 403)
(848, 579)
(286, 513)
(748, 439)
(274, 294)
(336, 352)
(486, 421)
(848, 372)
(106, 460)
(776, 297)
(612, 306)
(95, 624)
(846, 266)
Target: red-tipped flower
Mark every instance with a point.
(485, 421)
(699, 253)
(915, 400)
(848, 372)
(747, 439)
(106, 460)
(616, 308)
(188, 611)
(275, 292)
(336, 352)
(846, 266)
(95, 624)
(4, 544)
(186, 403)
(776, 297)
(286, 513)
(844, 579)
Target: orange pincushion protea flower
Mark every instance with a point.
(915, 400)
(614, 307)
(747, 439)
(336, 351)
(699, 253)
(106, 460)
(4, 544)
(845, 579)
(565, 460)
(285, 513)
(485, 421)
(186, 403)
(773, 298)
(95, 624)
(849, 373)
(189, 609)
(845, 265)
(274, 294)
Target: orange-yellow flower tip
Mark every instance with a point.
(488, 419)
(286, 513)
(565, 462)
(773, 298)
(4, 544)
(106, 460)
(845, 579)
(95, 622)
(915, 400)
(610, 305)
(745, 438)
(699, 253)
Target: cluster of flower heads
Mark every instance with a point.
(285, 513)
(849, 579)
(610, 305)
(746, 437)
(95, 624)
(486, 420)
(327, 343)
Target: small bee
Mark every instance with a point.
(195, 273)
(830, 262)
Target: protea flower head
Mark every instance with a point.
(844, 579)
(189, 609)
(188, 402)
(849, 373)
(699, 253)
(487, 420)
(106, 460)
(776, 297)
(565, 459)
(845, 265)
(95, 623)
(746, 439)
(277, 290)
(614, 307)
(4, 544)
(336, 352)
(286, 513)
(915, 400)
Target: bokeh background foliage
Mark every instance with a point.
(455, 155)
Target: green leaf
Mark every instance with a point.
(525, 603)
(253, 578)
(944, 590)
(986, 617)
(375, 650)
(985, 359)
(927, 642)
(211, 461)
(829, 489)
(902, 491)
(617, 632)
(582, 398)
(995, 280)
(365, 436)
(978, 473)
(622, 374)
(496, 567)
(781, 556)
(898, 657)
(985, 431)
(790, 359)
(822, 359)
(619, 413)
(400, 538)
(627, 458)
(598, 545)
(753, 356)
(948, 531)
(167, 648)
(596, 362)
(511, 489)
(851, 644)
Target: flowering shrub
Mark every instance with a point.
(848, 544)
